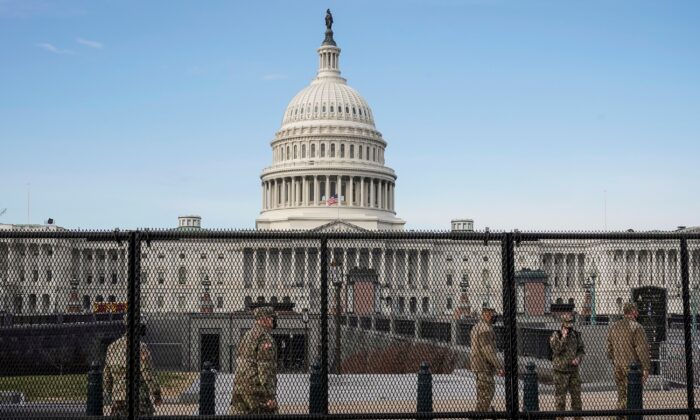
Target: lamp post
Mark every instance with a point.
(336, 275)
(307, 341)
(591, 286)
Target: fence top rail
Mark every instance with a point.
(485, 236)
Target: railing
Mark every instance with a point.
(206, 330)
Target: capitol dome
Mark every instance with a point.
(328, 158)
(328, 100)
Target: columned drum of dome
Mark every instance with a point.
(328, 159)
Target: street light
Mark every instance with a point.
(591, 286)
(305, 320)
(336, 274)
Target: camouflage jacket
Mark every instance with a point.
(483, 349)
(115, 373)
(565, 350)
(256, 365)
(627, 343)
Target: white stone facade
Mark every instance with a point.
(328, 146)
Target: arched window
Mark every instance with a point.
(295, 151)
(332, 150)
(303, 151)
(324, 108)
(425, 305)
(331, 108)
(340, 109)
(313, 150)
(374, 154)
(347, 110)
(316, 108)
(560, 301)
(273, 300)
(618, 304)
(353, 111)
(360, 111)
(413, 302)
(323, 149)
(367, 153)
(247, 302)
(359, 152)
(352, 151)
(342, 150)
(288, 152)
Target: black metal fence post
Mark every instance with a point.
(424, 402)
(687, 333)
(133, 326)
(323, 391)
(531, 393)
(207, 390)
(315, 388)
(510, 351)
(634, 390)
(94, 405)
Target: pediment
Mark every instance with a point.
(339, 226)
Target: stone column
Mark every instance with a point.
(284, 193)
(362, 191)
(328, 187)
(339, 189)
(305, 191)
(371, 192)
(351, 191)
(315, 195)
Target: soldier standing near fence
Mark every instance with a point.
(484, 361)
(567, 353)
(255, 383)
(627, 344)
(115, 377)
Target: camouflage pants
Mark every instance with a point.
(120, 409)
(620, 374)
(485, 388)
(567, 383)
(250, 404)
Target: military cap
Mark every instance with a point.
(567, 320)
(264, 312)
(487, 308)
(629, 308)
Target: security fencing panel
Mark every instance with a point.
(199, 298)
(589, 308)
(403, 314)
(62, 302)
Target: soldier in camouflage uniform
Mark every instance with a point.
(484, 362)
(627, 344)
(567, 353)
(255, 382)
(115, 377)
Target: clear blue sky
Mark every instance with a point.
(519, 114)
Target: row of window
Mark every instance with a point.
(34, 250)
(296, 151)
(305, 111)
(182, 256)
(48, 275)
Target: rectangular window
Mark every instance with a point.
(49, 275)
(352, 151)
(35, 275)
(342, 150)
(449, 279)
(449, 304)
(219, 302)
(114, 278)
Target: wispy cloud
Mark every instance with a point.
(53, 49)
(274, 76)
(88, 43)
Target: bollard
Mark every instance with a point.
(634, 390)
(531, 392)
(207, 391)
(425, 389)
(315, 384)
(94, 404)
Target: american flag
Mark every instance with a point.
(333, 200)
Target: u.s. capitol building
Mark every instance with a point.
(328, 173)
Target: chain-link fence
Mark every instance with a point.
(367, 325)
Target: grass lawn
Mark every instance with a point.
(74, 387)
